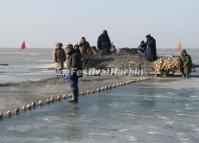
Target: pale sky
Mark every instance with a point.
(41, 23)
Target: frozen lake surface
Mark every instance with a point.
(148, 112)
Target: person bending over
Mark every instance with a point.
(186, 64)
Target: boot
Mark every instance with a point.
(74, 98)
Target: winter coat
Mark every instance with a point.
(74, 63)
(103, 42)
(84, 48)
(151, 54)
(141, 49)
(59, 55)
(187, 63)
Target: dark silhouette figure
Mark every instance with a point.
(104, 43)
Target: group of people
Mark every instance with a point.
(147, 49)
(74, 65)
(104, 47)
(75, 54)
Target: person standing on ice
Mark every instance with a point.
(104, 43)
(142, 48)
(76, 48)
(84, 46)
(74, 65)
(150, 52)
(59, 56)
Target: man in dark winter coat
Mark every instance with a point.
(151, 54)
(104, 43)
(76, 48)
(75, 67)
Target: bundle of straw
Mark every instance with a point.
(167, 64)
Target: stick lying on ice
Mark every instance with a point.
(3, 64)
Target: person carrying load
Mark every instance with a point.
(186, 63)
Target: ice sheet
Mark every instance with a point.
(144, 112)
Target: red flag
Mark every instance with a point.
(23, 46)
